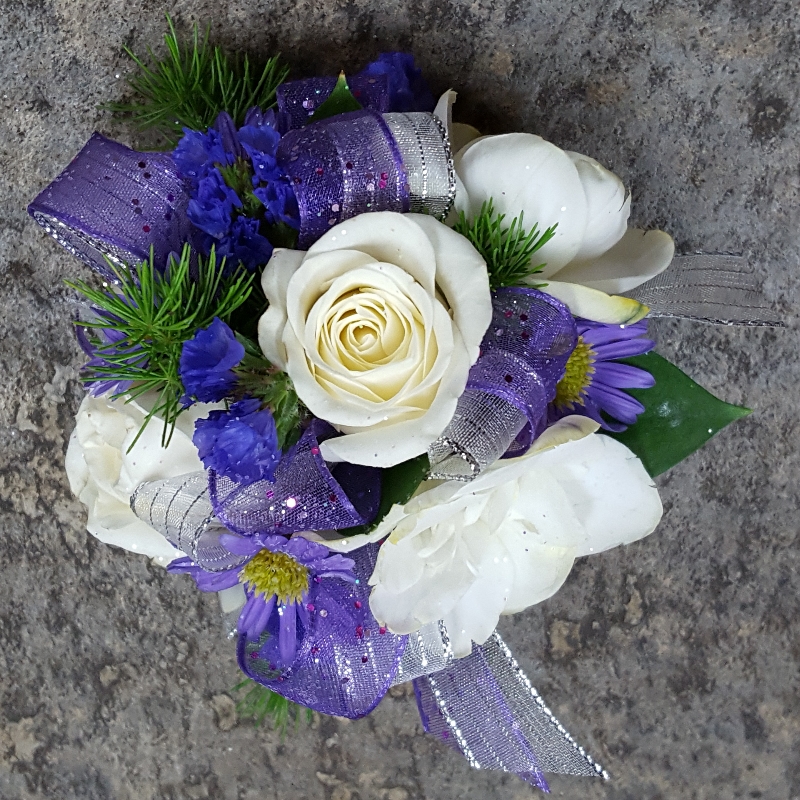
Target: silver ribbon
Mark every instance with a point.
(179, 509)
(427, 160)
(716, 288)
(485, 706)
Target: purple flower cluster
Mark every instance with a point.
(240, 443)
(207, 362)
(237, 189)
(408, 90)
(278, 575)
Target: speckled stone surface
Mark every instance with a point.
(674, 660)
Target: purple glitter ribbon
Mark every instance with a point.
(341, 167)
(345, 662)
(300, 99)
(524, 354)
(306, 495)
(114, 202)
(504, 407)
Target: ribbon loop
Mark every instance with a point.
(112, 202)
(523, 356)
(306, 495)
(359, 162)
(179, 509)
(346, 662)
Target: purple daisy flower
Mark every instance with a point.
(593, 381)
(277, 576)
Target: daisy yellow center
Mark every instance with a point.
(571, 389)
(271, 573)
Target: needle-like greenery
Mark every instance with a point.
(156, 313)
(260, 702)
(194, 82)
(507, 250)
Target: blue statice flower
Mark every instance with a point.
(280, 201)
(408, 90)
(237, 189)
(244, 244)
(207, 362)
(594, 380)
(280, 577)
(240, 443)
(212, 204)
(197, 152)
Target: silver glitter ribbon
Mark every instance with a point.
(716, 288)
(180, 510)
(485, 707)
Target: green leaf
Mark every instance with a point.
(680, 416)
(340, 101)
(398, 483)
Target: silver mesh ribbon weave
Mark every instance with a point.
(476, 437)
(485, 707)
(179, 509)
(427, 160)
(720, 289)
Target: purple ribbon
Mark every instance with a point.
(345, 662)
(112, 201)
(300, 99)
(523, 356)
(307, 494)
(341, 167)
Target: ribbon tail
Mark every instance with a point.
(720, 289)
(485, 707)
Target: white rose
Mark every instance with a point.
(467, 553)
(377, 325)
(592, 246)
(103, 475)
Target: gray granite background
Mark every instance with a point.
(675, 660)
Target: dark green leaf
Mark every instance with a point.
(398, 483)
(679, 418)
(340, 101)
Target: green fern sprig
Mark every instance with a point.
(193, 83)
(507, 251)
(260, 703)
(156, 313)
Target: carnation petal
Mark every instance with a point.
(539, 571)
(608, 209)
(522, 172)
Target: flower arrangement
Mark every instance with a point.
(374, 378)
